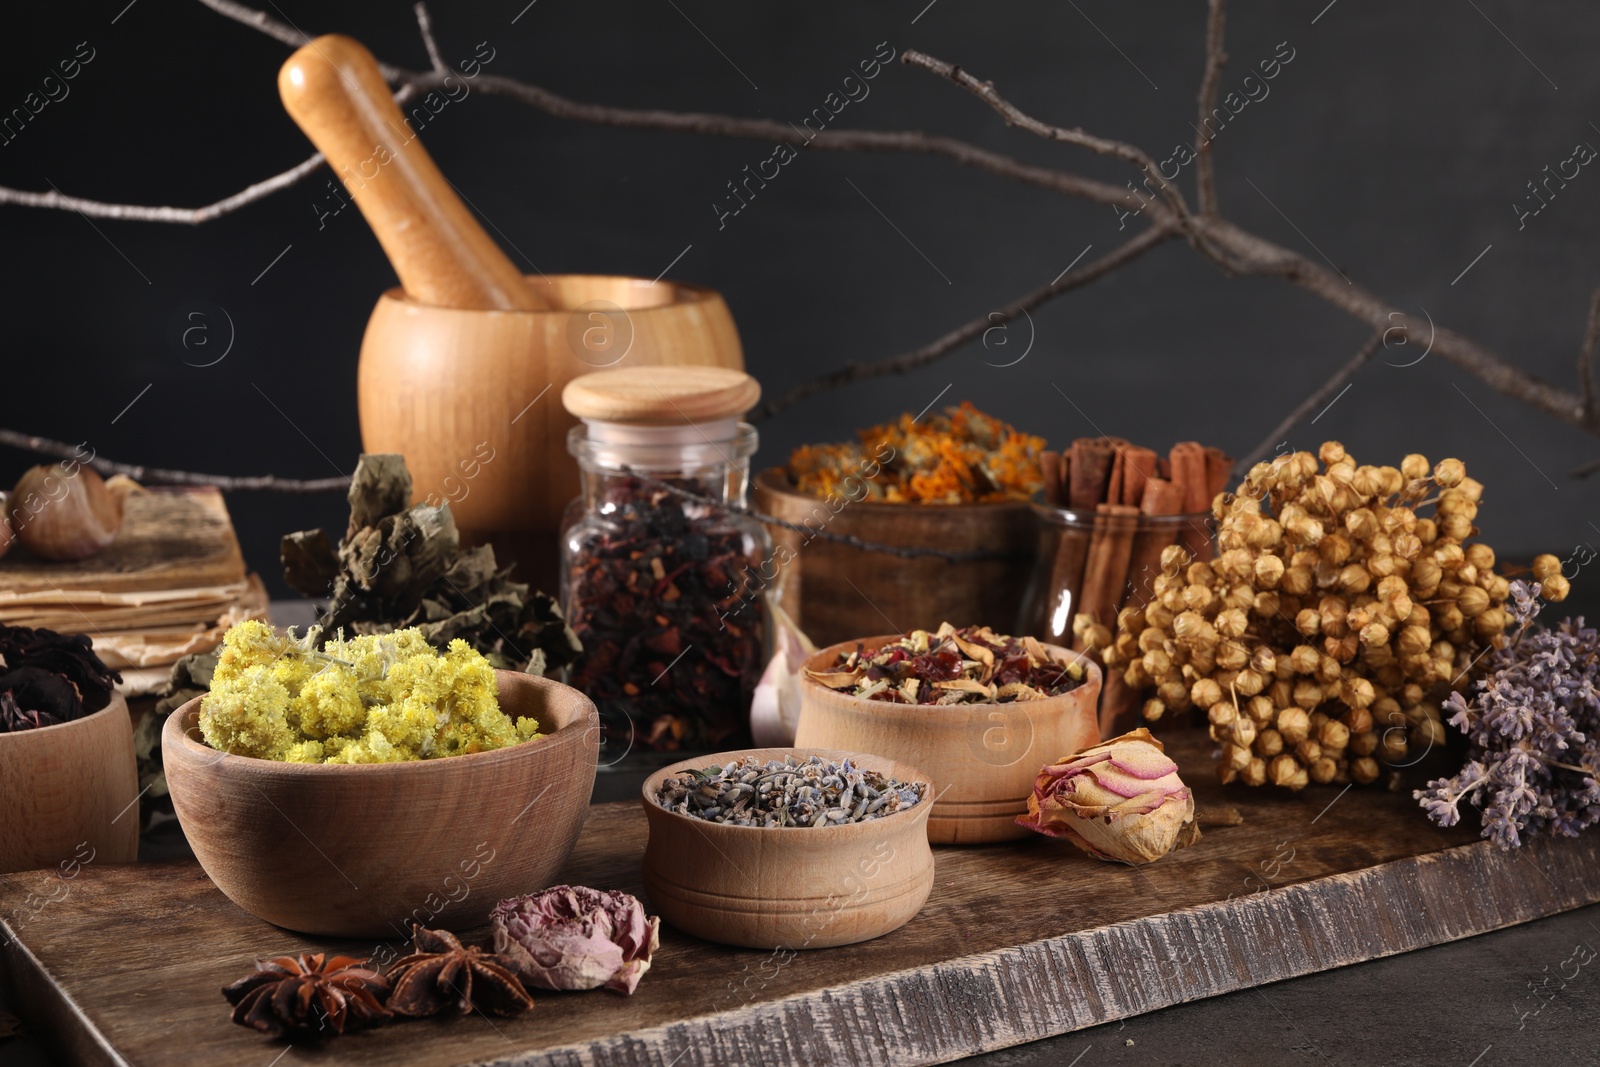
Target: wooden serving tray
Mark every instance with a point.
(1018, 942)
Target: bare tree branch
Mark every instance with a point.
(1123, 254)
(1234, 250)
(1586, 358)
(1014, 116)
(161, 476)
(1205, 174)
(425, 27)
(1324, 395)
(259, 20)
(191, 216)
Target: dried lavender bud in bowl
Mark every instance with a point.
(788, 793)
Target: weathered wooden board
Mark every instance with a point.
(1017, 942)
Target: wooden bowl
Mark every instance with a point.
(788, 887)
(367, 849)
(472, 398)
(70, 793)
(983, 758)
(828, 587)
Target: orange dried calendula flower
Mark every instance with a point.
(959, 456)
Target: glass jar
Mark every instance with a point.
(663, 582)
(1098, 563)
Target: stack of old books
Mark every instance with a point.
(171, 583)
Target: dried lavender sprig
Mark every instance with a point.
(788, 792)
(1534, 727)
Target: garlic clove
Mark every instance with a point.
(60, 516)
(7, 538)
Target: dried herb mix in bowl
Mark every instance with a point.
(972, 665)
(788, 792)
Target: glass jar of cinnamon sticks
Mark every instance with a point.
(1109, 508)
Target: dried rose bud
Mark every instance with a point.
(573, 937)
(1121, 800)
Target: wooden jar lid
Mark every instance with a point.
(662, 396)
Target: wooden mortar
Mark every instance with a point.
(462, 367)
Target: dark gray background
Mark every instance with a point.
(1396, 140)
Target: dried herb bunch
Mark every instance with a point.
(1335, 612)
(1534, 725)
(400, 566)
(50, 678)
(658, 596)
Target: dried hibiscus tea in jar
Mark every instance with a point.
(661, 571)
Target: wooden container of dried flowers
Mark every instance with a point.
(70, 792)
(829, 587)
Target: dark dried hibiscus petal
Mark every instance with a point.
(71, 656)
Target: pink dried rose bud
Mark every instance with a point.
(1121, 800)
(573, 937)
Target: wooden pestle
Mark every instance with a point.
(332, 88)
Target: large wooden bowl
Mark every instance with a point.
(472, 398)
(788, 887)
(69, 793)
(983, 758)
(365, 850)
(828, 588)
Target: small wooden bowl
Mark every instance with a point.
(70, 792)
(367, 849)
(983, 758)
(788, 887)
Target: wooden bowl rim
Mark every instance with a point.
(685, 294)
(886, 709)
(902, 771)
(774, 480)
(183, 724)
(118, 703)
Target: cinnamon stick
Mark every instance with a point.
(1114, 483)
(1218, 466)
(1106, 571)
(1139, 466)
(1091, 472)
(1189, 473)
(1119, 704)
(1050, 468)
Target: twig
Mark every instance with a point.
(425, 27)
(1015, 116)
(943, 346)
(1205, 174)
(1315, 402)
(161, 476)
(192, 216)
(1586, 358)
(1232, 249)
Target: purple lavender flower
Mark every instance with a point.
(1534, 725)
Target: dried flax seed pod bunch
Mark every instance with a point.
(1335, 615)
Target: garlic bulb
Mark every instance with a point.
(58, 515)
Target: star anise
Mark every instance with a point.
(309, 996)
(441, 973)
